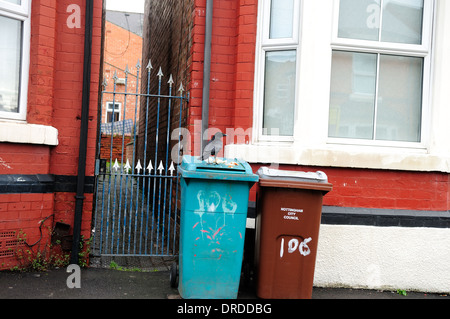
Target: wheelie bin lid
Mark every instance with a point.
(294, 179)
(225, 169)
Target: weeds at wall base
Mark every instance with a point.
(31, 258)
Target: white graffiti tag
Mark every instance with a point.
(294, 244)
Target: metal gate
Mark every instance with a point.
(137, 187)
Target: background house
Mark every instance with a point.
(40, 127)
(309, 85)
(123, 48)
(122, 51)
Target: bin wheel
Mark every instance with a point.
(174, 275)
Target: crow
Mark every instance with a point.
(213, 147)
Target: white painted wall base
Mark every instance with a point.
(413, 259)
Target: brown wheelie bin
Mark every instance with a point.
(289, 210)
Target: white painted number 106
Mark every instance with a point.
(294, 245)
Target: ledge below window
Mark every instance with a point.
(24, 133)
(348, 157)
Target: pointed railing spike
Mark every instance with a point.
(138, 65)
(160, 73)
(150, 167)
(127, 70)
(116, 165)
(149, 65)
(171, 169)
(115, 77)
(181, 89)
(139, 167)
(161, 168)
(170, 81)
(127, 167)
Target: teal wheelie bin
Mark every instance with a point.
(214, 202)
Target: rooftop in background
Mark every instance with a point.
(131, 21)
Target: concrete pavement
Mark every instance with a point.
(101, 283)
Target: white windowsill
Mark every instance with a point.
(24, 133)
(342, 156)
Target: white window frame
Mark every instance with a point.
(423, 50)
(263, 45)
(22, 9)
(110, 109)
(22, 13)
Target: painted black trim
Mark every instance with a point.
(23, 184)
(384, 217)
(68, 184)
(378, 217)
(42, 184)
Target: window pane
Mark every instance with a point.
(353, 87)
(359, 19)
(110, 112)
(402, 21)
(281, 19)
(109, 117)
(279, 93)
(400, 99)
(10, 62)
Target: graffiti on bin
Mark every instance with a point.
(209, 202)
(294, 245)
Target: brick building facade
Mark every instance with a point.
(39, 153)
(386, 223)
(380, 188)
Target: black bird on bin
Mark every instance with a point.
(213, 147)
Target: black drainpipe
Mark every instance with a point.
(83, 132)
(207, 69)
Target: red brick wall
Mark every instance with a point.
(448, 192)
(24, 159)
(364, 188)
(389, 189)
(232, 65)
(245, 64)
(117, 150)
(69, 54)
(21, 216)
(65, 207)
(42, 62)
